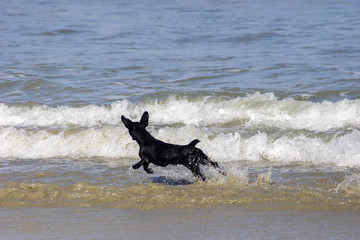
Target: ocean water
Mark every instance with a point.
(271, 88)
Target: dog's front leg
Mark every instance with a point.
(146, 167)
(137, 165)
(145, 162)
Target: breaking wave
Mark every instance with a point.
(253, 110)
(253, 128)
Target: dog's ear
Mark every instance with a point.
(145, 119)
(127, 122)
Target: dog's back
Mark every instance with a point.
(163, 154)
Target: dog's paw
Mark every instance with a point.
(149, 170)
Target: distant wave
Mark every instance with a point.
(253, 110)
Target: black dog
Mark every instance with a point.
(162, 154)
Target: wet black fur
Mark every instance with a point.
(162, 154)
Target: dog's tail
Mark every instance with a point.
(193, 143)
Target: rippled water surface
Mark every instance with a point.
(97, 52)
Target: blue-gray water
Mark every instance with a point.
(80, 52)
(271, 88)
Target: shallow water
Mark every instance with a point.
(272, 90)
(95, 183)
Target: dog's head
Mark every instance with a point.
(137, 129)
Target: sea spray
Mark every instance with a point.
(350, 185)
(264, 179)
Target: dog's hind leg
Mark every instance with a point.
(205, 160)
(195, 169)
(216, 165)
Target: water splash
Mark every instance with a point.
(350, 185)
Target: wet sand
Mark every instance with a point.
(221, 222)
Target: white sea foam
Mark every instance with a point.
(229, 129)
(115, 142)
(253, 111)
